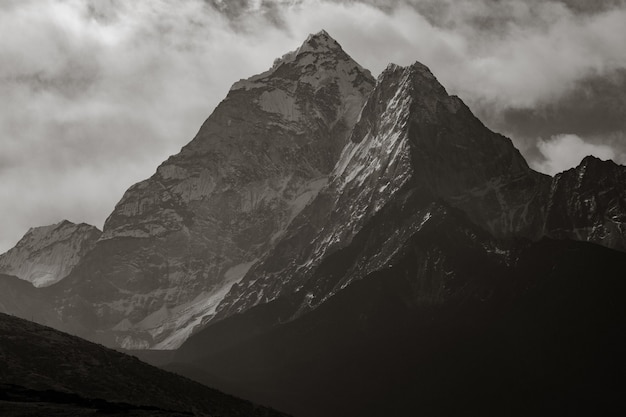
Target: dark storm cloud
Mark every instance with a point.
(96, 93)
(594, 108)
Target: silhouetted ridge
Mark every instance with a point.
(69, 375)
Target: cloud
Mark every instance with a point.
(97, 93)
(593, 108)
(565, 151)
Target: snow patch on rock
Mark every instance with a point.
(278, 101)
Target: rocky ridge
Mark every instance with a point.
(588, 203)
(412, 138)
(48, 254)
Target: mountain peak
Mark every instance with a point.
(595, 161)
(47, 254)
(591, 167)
(319, 56)
(593, 170)
(416, 67)
(415, 80)
(321, 33)
(319, 42)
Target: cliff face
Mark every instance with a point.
(177, 241)
(588, 203)
(412, 139)
(48, 254)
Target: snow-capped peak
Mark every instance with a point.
(47, 254)
(320, 42)
(319, 54)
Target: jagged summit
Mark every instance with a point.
(47, 254)
(319, 53)
(320, 42)
(592, 169)
(597, 163)
(588, 202)
(415, 68)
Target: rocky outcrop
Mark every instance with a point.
(588, 203)
(48, 254)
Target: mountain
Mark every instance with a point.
(589, 203)
(454, 323)
(419, 279)
(48, 254)
(177, 241)
(265, 203)
(46, 372)
(412, 137)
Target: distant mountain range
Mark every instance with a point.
(335, 245)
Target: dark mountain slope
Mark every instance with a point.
(70, 376)
(588, 202)
(20, 298)
(456, 323)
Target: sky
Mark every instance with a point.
(95, 94)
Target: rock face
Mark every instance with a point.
(588, 203)
(48, 254)
(177, 241)
(412, 138)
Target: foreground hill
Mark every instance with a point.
(46, 372)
